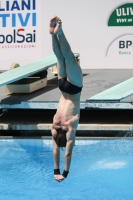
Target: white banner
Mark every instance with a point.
(20, 31)
(100, 31)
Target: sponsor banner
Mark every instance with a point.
(122, 46)
(97, 33)
(20, 35)
(122, 16)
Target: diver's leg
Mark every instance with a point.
(56, 48)
(73, 70)
(61, 68)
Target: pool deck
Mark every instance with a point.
(94, 82)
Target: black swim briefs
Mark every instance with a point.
(67, 87)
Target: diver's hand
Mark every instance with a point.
(58, 177)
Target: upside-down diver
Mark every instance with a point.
(70, 79)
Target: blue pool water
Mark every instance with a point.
(100, 170)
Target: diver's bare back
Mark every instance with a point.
(67, 115)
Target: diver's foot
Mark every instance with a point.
(58, 28)
(52, 25)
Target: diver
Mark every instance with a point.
(70, 79)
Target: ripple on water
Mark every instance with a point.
(100, 169)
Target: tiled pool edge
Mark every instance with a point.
(81, 127)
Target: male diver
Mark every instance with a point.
(67, 116)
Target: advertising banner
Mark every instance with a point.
(101, 32)
(20, 35)
(120, 49)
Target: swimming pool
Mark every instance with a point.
(100, 170)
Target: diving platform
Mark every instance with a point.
(122, 92)
(24, 71)
(30, 77)
(29, 69)
(102, 88)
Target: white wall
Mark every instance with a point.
(85, 26)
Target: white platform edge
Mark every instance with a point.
(53, 105)
(81, 127)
